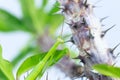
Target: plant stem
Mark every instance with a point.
(40, 66)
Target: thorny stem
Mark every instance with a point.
(87, 36)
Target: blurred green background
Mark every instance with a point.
(36, 21)
(39, 22)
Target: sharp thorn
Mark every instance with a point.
(117, 55)
(90, 35)
(115, 48)
(85, 3)
(84, 21)
(60, 7)
(104, 32)
(97, 1)
(47, 76)
(103, 18)
(67, 41)
(96, 6)
(114, 64)
(87, 53)
(81, 58)
(71, 40)
(102, 25)
(68, 23)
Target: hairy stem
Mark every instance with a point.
(87, 36)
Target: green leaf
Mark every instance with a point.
(26, 14)
(2, 76)
(29, 63)
(6, 68)
(30, 14)
(22, 54)
(44, 3)
(25, 9)
(107, 70)
(8, 22)
(32, 61)
(43, 16)
(55, 8)
(55, 20)
(50, 19)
